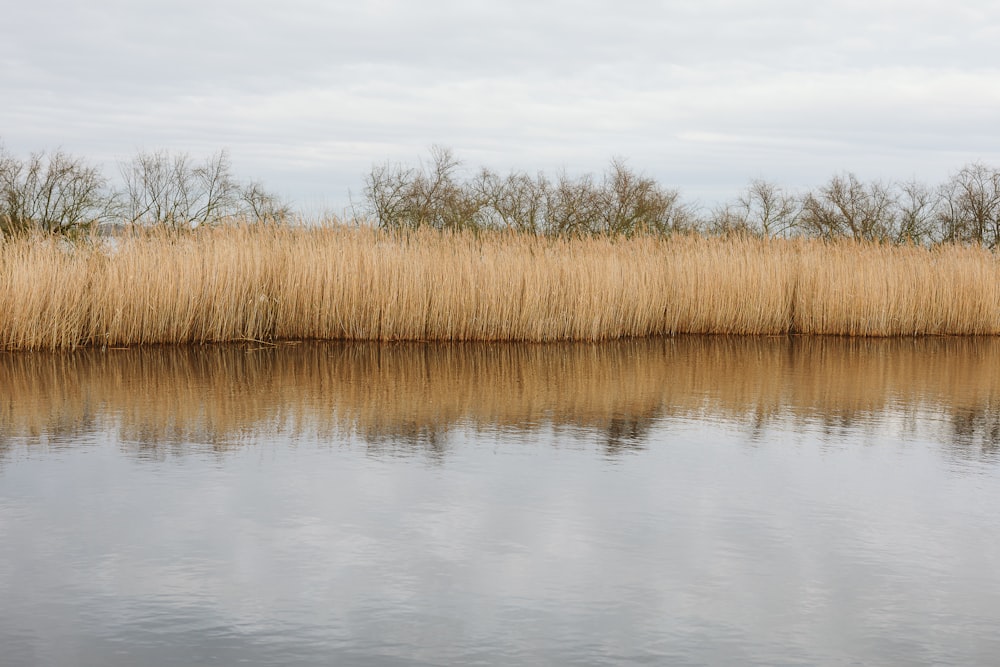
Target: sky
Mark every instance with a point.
(704, 95)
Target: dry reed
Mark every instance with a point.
(272, 283)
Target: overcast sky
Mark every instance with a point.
(703, 95)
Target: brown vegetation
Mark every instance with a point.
(278, 282)
(411, 394)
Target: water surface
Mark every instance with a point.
(696, 501)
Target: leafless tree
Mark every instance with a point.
(163, 188)
(259, 205)
(429, 196)
(969, 207)
(166, 189)
(763, 209)
(847, 207)
(917, 210)
(516, 201)
(571, 206)
(623, 202)
(387, 190)
(217, 193)
(632, 203)
(157, 188)
(53, 192)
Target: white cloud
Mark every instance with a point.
(307, 95)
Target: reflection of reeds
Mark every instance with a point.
(414, 391)
(267, 283)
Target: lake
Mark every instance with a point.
(681, 501)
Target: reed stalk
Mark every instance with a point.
(265, 283)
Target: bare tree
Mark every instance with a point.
(847, 207)
(632, 203)
(917, 211)
(51, 192)
(158, 188)
(728, 220)
(429, 196)
(259, 205)
(443, 202)
(387, 190)
(623, 202)
(434, 188)
(571, 206)
(969, 207)
(162, 188)
(763, 209)
(515, 202)
(217, 194)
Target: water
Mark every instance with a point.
(686, 501)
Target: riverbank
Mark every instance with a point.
(265, 283)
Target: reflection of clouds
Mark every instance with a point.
(701, 549)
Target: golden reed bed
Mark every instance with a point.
(270, 283)
(393, 395)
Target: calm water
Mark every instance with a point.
(685, 501)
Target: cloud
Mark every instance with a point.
(307, 95)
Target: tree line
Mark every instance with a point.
(965, 209)
(60, 193)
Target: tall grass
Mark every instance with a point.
(268, 283)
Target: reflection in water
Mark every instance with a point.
(409, 396)
(750, 501)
